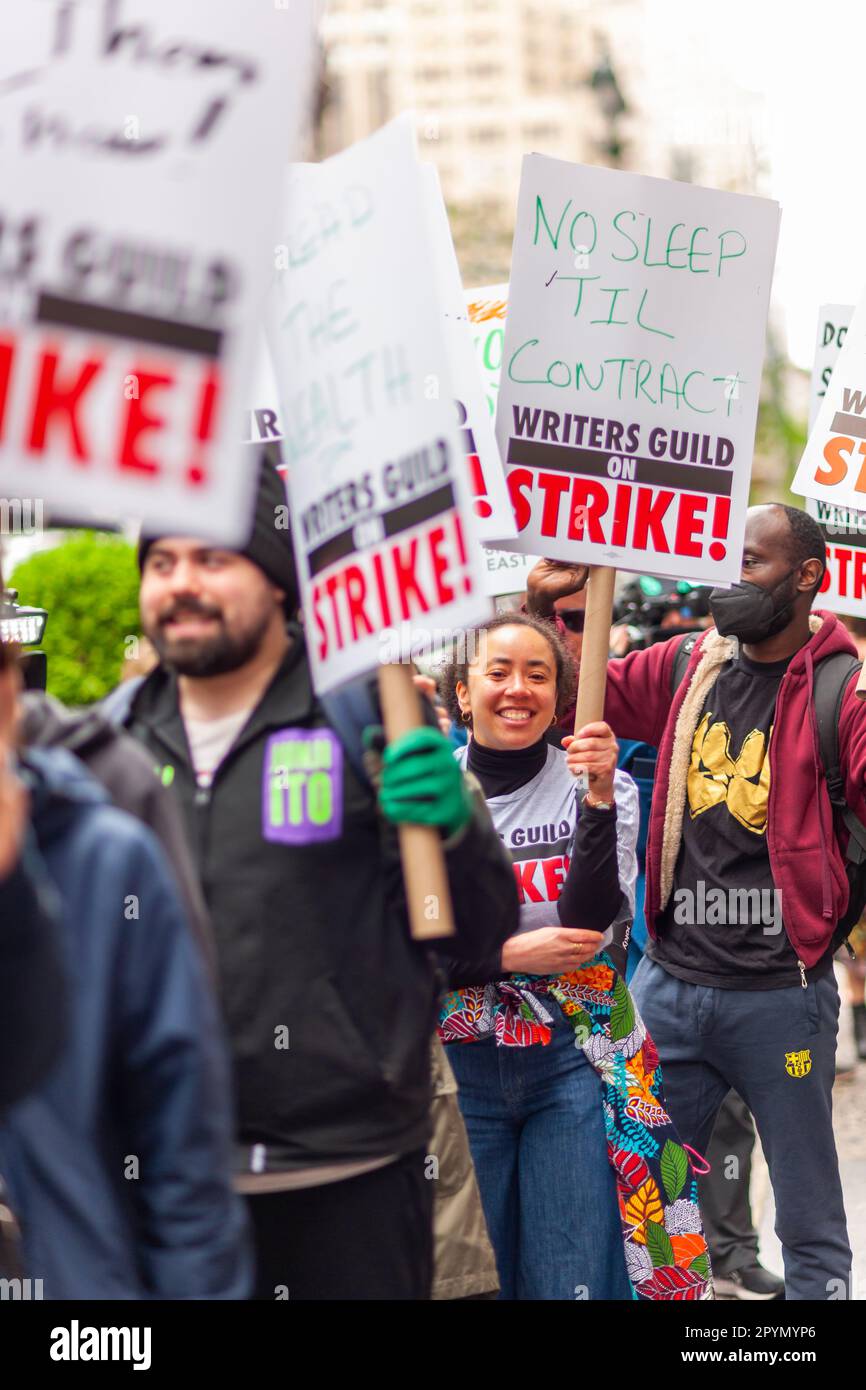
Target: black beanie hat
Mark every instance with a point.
(270, 543)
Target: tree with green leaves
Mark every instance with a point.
(89, 586)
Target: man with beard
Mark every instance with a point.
(329, 1002)
(746, 879)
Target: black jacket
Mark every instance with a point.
(329, 1003)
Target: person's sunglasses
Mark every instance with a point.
(572, 618)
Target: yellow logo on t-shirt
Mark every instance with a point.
(743, 783)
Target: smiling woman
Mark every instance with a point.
(511, 643)
(557, 1077)
(557, 1229)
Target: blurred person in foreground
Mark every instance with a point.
(32, 993)
(329, 1002)
(116, 1164)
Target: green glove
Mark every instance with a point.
(422, 783)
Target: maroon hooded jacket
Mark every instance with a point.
(806, 859)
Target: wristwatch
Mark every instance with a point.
(597, 805)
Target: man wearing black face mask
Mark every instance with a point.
(753, 612)
(746, 880)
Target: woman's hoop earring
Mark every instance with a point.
(466, 716)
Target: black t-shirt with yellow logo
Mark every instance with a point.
(723, 925)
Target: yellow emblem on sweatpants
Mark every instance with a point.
(798, 1063)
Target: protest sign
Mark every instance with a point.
(487, 308)
(490, 501)
(833, 321)
(843, 589)
(631, 368)
(140, 188)
(833, 466)
(382, 524)
(261, 420)
(506, 571)
(828, 471)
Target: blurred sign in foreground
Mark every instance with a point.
(141, 169)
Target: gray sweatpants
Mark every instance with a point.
(777, 1049)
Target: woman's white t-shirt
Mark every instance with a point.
(537, 825)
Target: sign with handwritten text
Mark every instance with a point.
(832, 471)
(491, 505)
(381, 509)
(487, 308)
(505, 571)
(143, 147)
(843, 589)
(631, 368)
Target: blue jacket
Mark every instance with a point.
(32, 995)
(118, 1164)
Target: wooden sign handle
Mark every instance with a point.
(596, 646)
(860, 688)
(428, 896)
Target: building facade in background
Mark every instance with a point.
(606, 82)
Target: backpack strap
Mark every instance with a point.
(681, 660)
(832, 677)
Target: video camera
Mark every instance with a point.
(25, 627)
(654, 609)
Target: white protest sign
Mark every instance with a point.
(261, 421)
(506, 571)
(833, 321)
(833, 467)
(141, 177)
(631, 368)
(491, 505)
(843, 589)
(487, 307)
(381, 511)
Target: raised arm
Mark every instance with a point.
(638, 697)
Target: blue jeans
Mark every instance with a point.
(776, 1048)
(536, 1131)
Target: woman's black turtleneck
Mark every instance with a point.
(504, 770)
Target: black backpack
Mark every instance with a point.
(831, 681)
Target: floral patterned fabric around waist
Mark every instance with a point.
(665, 1249)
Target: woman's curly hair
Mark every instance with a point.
(456, 668)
